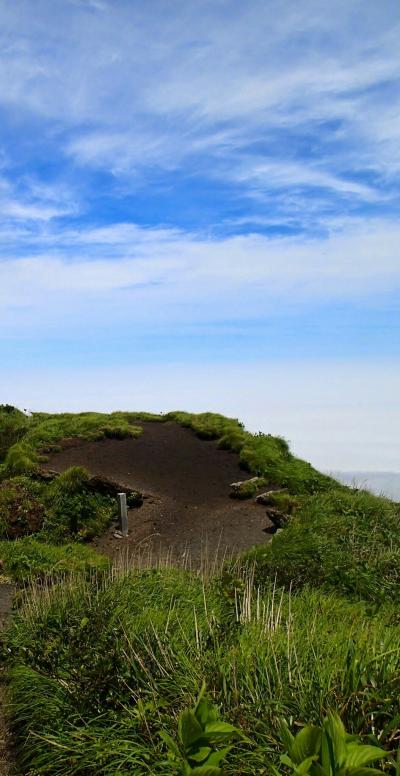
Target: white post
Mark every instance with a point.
(123, 514)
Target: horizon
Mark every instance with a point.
(200, 209)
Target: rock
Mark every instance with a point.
(246, 488)
(47, 475)
(267, 498)
(278, 519)
(271, 529)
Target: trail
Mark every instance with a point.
(188, 510)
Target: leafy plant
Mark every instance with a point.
(328, 751)
(200, 732)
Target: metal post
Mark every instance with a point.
(123, 514)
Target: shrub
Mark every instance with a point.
(13, 425)
(21, 459)
(328, 750)
(73, 511)
(21, 508)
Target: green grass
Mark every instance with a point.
(97, 670)
(343, 540)
(28, 559)
(13, 425)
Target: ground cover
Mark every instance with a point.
(99, 669)
(101, 664)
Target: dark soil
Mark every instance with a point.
(187, 510)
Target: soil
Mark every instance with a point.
(187, 511)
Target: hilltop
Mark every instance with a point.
(272, 584)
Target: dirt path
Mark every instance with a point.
(6, 595)
(188, 511)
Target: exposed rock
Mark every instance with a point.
(47, 475)
(246, 488)
(267, 498)
(278, 519)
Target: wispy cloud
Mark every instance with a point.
(153, 275)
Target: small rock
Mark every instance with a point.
(267, 497)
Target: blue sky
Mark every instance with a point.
(207, 193)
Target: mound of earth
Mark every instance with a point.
(187, 509)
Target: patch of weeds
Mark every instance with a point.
(125, 656)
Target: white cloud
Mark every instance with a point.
(132, 86)
(27, 200)
(153, 275)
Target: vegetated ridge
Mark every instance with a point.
(105, 669)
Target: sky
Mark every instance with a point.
(199, 209)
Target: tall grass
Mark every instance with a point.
(98, 668)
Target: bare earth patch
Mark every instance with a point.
(188, 510)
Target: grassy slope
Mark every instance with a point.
(113, 665)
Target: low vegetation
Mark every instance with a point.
(344, 540)
(300, 634)
(30, 560)
(101, 671)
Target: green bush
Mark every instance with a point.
(73, 511)
(329, 751)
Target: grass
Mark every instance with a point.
(100, 663)
(28, 559)
(13, 426)
(98, 669)
(60, 511)
(43, 432)
(343, 540)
